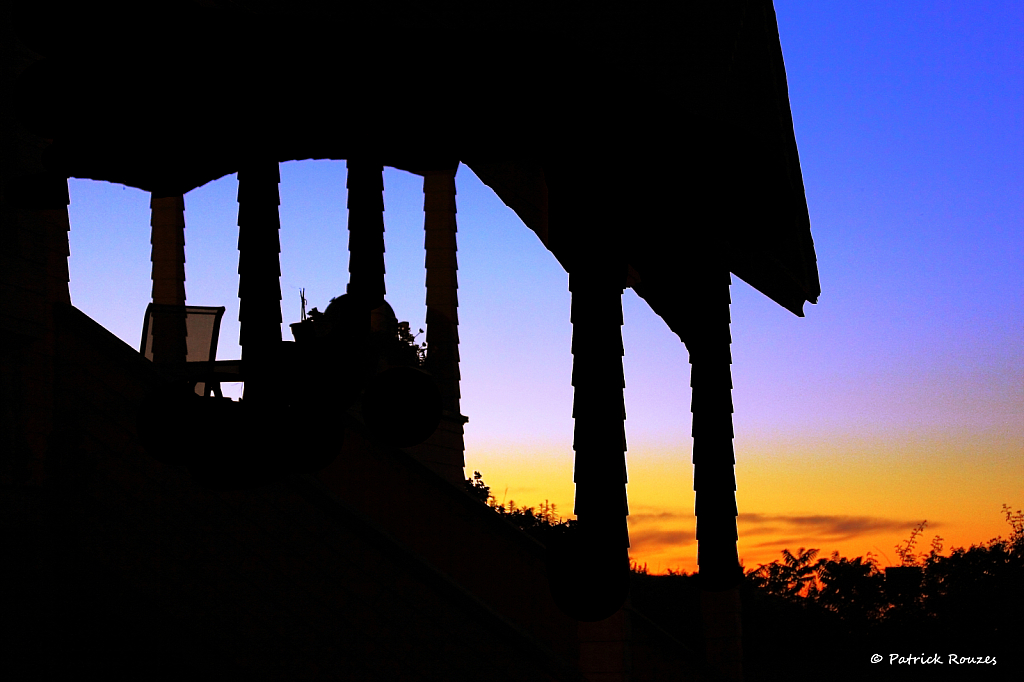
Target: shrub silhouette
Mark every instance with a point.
(833, 613)
(967, 601)
(541, 522)
(794, 577)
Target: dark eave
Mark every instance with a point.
(662, 126)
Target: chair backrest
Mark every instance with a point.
(202, 329)
(202, 324)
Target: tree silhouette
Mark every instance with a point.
(792, 578)
(852, 588)
(541, 522)
(905, 549)
(476, 487)
(969, 600)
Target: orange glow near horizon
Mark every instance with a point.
(848, 495)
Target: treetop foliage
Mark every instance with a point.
(925, 583)
(858, 589)
(968, 600)
(538, 521)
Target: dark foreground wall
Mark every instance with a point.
(123, 566)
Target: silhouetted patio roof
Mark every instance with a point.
(661, 126)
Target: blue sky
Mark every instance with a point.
(909, 119)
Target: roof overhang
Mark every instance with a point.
(664, 127)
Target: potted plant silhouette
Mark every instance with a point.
(367, 352)
(401, 404)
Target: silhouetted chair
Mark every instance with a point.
(202, 324)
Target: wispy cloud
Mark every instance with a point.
(797, 528)
(654, 530)
(654, 537)
(659, 516)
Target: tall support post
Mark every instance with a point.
(599, 410)
(259, 257)
(259, 269)
(444, 450)
(365, 184)
(599, 579)
(33, 280)
(714, 478)
(588, 571)
(170, 343)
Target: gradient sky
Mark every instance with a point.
(898, 398)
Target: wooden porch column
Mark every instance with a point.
(714, 478)
(33, 278)
(444, 450)
(365, 184)
(168, 257)
(599, 437)
(588, 570)
(259, 270)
